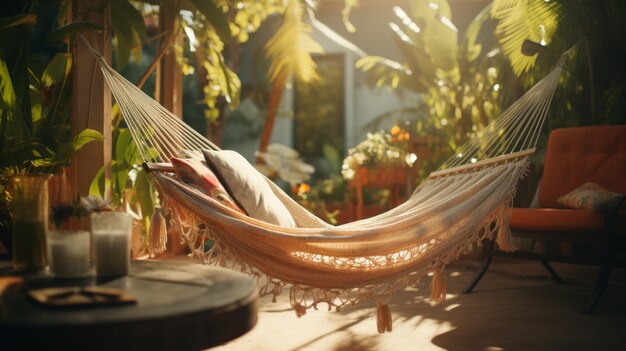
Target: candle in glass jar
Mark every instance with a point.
(111, 235)
(111, 252)
(69, 253)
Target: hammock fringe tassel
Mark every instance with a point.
(299, 309)
(504, 238)
(438, 286)
(383, 318)
(454, 209)
(158, 232)
(296, 303)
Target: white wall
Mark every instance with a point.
(372, 103)
(362, 104)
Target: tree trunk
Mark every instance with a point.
(275, 96)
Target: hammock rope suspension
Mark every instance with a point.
(467, 200)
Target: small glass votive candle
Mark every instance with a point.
(68, 253)
(111, 235)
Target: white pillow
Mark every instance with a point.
(249, 187)
(589, 196)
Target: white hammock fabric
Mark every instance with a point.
(451, 212)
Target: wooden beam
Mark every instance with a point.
(151, 167)
(91, 97)
(486, 162)
(170, 76)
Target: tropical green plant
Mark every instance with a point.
(214, 57)
(34, 106)
(593, 87)
(459, 76)
(132, 188)
(519, 21)
(35, 94)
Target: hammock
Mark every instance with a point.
(455, 209)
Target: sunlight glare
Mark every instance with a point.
(193, 42)
(493, 52)
(446, 21)
(406, 20)
(411, 158)
(451, 307)
(405, 38)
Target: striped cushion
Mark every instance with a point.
(197, 174)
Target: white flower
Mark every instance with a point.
(284, 162)
(92, 203)
(273, 161)
(300, 166)
(283, 151)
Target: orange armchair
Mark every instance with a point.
(575, 156)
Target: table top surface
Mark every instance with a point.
(179, 306)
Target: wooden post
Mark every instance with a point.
(91, 97)
(170, 76)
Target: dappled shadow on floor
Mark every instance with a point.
(518, 307)
(352, 341)
(515, 307)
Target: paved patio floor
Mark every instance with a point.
(515, 307)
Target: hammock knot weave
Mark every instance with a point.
(466, 201)
(367, 260)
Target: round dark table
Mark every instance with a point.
(180, 306)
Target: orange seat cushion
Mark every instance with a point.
(551, 219)
(575, 156)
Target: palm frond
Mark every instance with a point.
(383, 71)
(438, 35)
(290, 48)
(345, 14)
(519, 20)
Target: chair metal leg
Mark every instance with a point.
(598, 290)
(487, 253)
(606, 254)
(552, 271)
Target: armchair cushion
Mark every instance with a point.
(589, 196)
(575, 156)
(553, 219)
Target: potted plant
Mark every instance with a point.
(381, 158)
(378, 168)
(35, 98)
